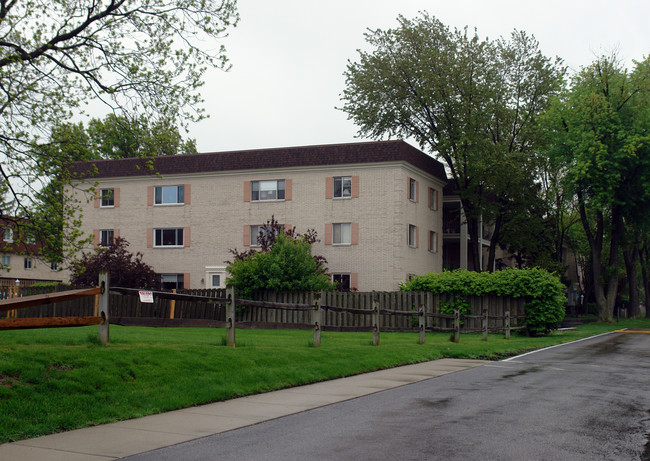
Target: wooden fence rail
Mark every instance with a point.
(375, 311)
(101, 318)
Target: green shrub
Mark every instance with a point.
(543, 291)
(287, 266)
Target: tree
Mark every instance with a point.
(143, 57)
(120, 137)
(473, 103)
(283, 263)
(600, 130)
(126, 270)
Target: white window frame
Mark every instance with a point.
(211, 271)
(264, 191)
(28, 263)
(6, 261)
(161, 195)
(412, 235)
(54, 266)
(413, 193)
(180, 278)
(107, 197)
(433, 241)
(106, 237)
(433, 198)
(342, 232)
(255, 232)
(344, 187)
(158, 237)
(8, 235)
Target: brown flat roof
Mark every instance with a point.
(283, 157)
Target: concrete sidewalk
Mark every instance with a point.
(117, 440)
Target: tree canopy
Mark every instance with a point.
(135, 56)
(600, 132)
(143, 60)
(473, 103)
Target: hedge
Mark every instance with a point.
(543, 291)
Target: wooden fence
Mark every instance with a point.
(340, 311)
(16, 302)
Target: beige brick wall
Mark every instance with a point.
(218, 214)
(40, 270)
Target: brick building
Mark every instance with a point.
(377, 208)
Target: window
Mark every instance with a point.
(6, 261)
(107, 197)
(413, 236)
(413, 190)
(433, 241)
(172, 281)
(106, 237)
(342, 234)
(255, 232)
(30, 239)
(267, 190)
(54, 266)
(342, 281)
(169, 195)
(215, 276)
(28, 263)
(8, 235)
(342, 186)
(433, 199)
(168, 237)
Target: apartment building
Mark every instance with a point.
(20, 260)
(377, 208)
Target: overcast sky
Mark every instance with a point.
(288, 57)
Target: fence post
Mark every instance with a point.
(507, 324)
(102, 329)
(422, 323)
(230, 317)
(375, 319)
(485, 324)
(456, 335)
(172, 305)
(317, 313)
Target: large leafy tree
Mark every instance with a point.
(108, 138)
(473, 103)
(601, 137)
(138, 57)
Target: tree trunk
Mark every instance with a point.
(631, 256)
(645, 262)
(498, 224)
(605, 278)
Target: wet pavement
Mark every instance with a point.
(586, 400)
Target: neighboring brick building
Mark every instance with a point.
(377, 208)
(20, 256)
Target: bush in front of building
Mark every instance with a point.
(126, 270)
(542, 290)
(288, 265)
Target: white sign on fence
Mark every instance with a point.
(146, 296)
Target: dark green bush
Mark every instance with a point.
(543, 291)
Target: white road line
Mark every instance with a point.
(557, 345)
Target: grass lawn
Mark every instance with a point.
(61, 379)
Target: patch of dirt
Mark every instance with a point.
(60, 367)
(8, 380)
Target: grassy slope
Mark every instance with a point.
(61, 379)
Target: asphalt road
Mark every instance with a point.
(588, 400)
